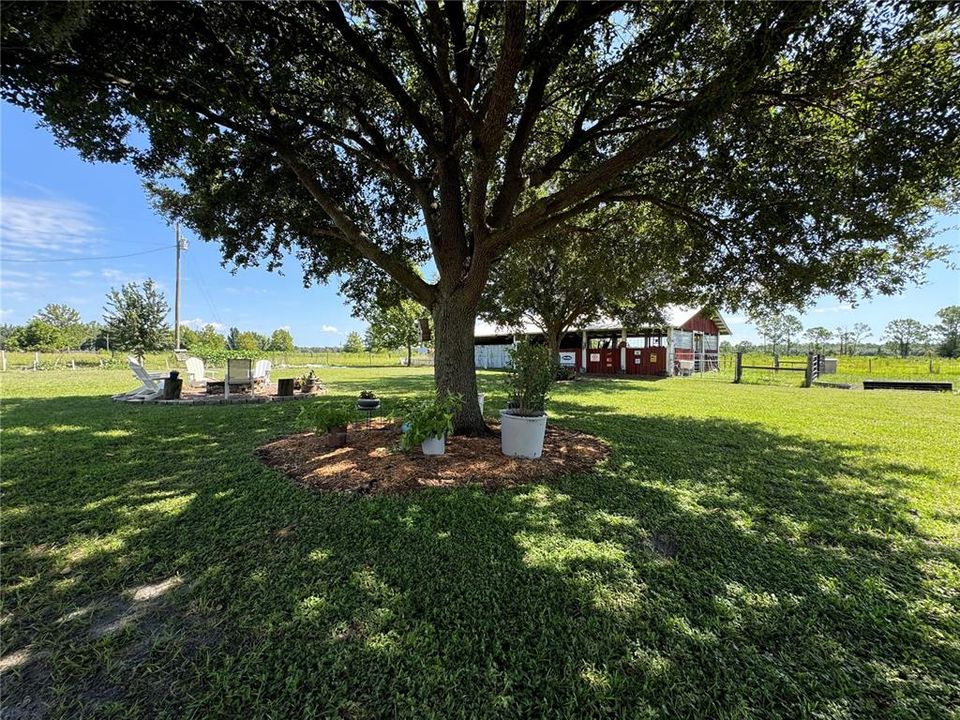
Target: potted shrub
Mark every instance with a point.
(428, 423)
(330, 420)
(524, 421)
(368, 400)
(309, 382)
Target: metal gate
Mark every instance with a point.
(604, 361)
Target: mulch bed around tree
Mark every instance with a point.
(371, 461)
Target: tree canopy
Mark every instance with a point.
(778, 327)
(798, 146)
(206, 338)
(906, 335)
(281, 340)
(395, 326)
(70, 330)
(136, 318)
(353, 343)
(593, 266)
(818, 337)
(949, 331)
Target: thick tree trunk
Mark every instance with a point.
(454, 367)
(409, 354)
(553, 342)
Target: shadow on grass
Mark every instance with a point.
(711, 568)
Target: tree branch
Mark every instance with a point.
(356, 237)
(715, 98)
(493, 125)
(379, 71)
(556, 41)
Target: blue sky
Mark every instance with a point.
(54, 205)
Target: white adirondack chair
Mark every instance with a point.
(155, 375)
(261, 372)
(151, 386)
(196, 371)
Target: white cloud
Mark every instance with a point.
(82, 274)
(843, 307)
(116, 277)
(16, 285)
(198, 323)
(329, 329)
(20, 285)
(32, 229)
(7, 272)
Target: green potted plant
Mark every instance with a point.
(428, 423)
(368, 400)
(524, 421)
(330, 420)
(309, 382)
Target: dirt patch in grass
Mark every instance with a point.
(371, 461)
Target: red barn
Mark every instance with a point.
(687, 341)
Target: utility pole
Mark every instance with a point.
(176, 301)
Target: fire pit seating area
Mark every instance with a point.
(239, 379)
(244, 382)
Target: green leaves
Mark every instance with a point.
(533, 370)
(324, 416)
(136, 318)
(430, 418)
(777, 151)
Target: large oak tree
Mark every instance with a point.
(799, 143)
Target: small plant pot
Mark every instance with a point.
(368, 403)
(522, 436)
(337, 437)
(433, 446)
(480, 397)
(308, 387)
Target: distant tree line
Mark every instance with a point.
(134, 320)
(903, 337)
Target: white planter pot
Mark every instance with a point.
(522, 436)
(480, 397)
(433, 446)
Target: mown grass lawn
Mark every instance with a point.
(746, 551)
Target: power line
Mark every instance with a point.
(99, 257)
(201, 285)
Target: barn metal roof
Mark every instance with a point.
(675, 316)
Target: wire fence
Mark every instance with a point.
(85, 360)
(850, 369)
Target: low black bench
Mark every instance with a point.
(907, 385)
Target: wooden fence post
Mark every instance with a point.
(738, 369)
(776, 362)
(810, 374)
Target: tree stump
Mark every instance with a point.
(285, 387)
